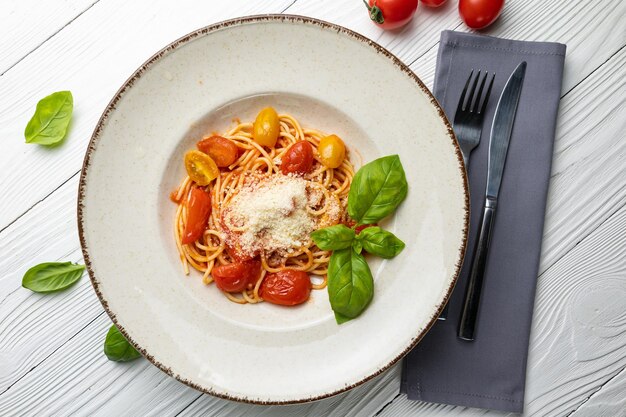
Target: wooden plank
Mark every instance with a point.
(608, 401)
(26, 24)
(32, 326)
(79, 379)
(577, 340)
(590, 127)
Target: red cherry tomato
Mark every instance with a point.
(360, 228)
(432, 3)
(479, 14)
(237, 276)
(287, 288)
(391, 14)
(351, 223)
(298, 159)
(223, 151)
(198, 211)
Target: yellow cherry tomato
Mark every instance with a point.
(266, 127)
(200, 167)
(332, 151)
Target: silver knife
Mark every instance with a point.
(501, 129)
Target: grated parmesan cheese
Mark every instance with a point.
(271, 215)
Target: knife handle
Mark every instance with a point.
(469, 313)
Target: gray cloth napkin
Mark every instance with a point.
(490, 372)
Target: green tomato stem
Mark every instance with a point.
(375, 13)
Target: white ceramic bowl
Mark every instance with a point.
(331, 79)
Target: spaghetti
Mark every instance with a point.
(254, 174)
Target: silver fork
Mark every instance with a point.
(468, 123)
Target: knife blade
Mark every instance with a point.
(500, 137)
(501, 129)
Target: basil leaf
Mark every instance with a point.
(48, 125)
(335, 237)
(117, 348)
(350, 283)
(377, 190)
(340, 318)
(52, 276)
(380, 242)
(357, 244)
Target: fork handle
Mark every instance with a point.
(469, 313)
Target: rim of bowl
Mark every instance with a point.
(204, 31)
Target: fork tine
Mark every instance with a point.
(482, 110)
(479, 95)
(462, 99)
(472, 91)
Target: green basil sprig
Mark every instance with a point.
(380, 242)
(52, 276)
(117, 348)
(49, 124)
(334, 237)
(377, 190)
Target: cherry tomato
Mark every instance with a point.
(223, 151)
(266, 127)
(287, 288)
(391, 14)
(358, 229)
(479, 14)
(432, 3)
(332, 151)
(298, 158)
(198, 211)
(200, 167)
(237, 276)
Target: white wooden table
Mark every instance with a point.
(51, 360)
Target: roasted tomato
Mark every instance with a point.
(479, 14)
(237, 276)
(298, 159)
(201, 168)
(332, 151)
(287, 288)
(266, 127)
(223, 151)
(198, 212)
(391, 14)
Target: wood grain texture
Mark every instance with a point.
(38, 332)
(80, 380)
(577, 340)
(591, 144)
(26, 25)
(608, 401)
